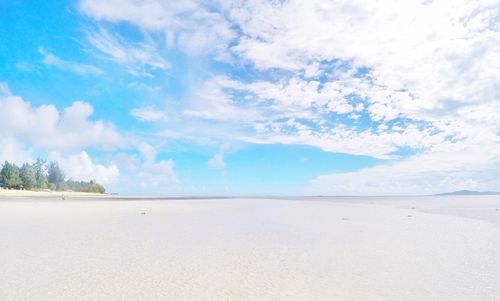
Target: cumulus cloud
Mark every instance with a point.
(81, 167)
(13, 151)
(217, 161)
(51, 60)
(142, 172)
(68, 134)
(48, 128)
(26, 130)
(160, 174)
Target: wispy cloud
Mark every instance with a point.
(140, 86)
(460, 166)
(51, 60)
(148, 114)
(27, 67)
(137, 58)
(191, 26)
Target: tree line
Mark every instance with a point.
(42, 175)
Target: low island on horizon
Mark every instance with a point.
(468, 192)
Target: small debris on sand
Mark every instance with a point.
(143, 213)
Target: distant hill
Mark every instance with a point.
(470, 192)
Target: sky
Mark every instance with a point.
(255, 97)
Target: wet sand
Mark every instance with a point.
(407, 248)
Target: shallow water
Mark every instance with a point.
(415, 248)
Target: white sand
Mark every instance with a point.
(46, 193)
(348, 249)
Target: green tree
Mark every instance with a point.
(9, 176)
(100, 188)
(55, 174)
(39, 175)
(28, 177)
(51, 186)
(40, 167)
(4, 174)
(82, 186)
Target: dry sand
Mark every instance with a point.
(250, 249)
(46, 193)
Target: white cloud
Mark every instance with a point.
(296, 112)
(13, 151)
(81, 167)
(48, 128)
(4, 90)
(51, 60)
(420, 57)
(67, 134)
(365, 78)
(156, 175)
(300, 95)
(140, 86)
(217, 161)
(436, 51)
(341, 139)
(148, 114)
(138, 58)
(191, 26)
(147, 151)
(213, 102)
(159, 174)
(27, 67)
(458, 167)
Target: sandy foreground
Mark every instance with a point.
(420, 248)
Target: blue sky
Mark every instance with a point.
(255, 97)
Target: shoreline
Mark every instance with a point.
(52, 193)
(34, 193)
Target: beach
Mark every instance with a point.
(359, 248)
(48, 194)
